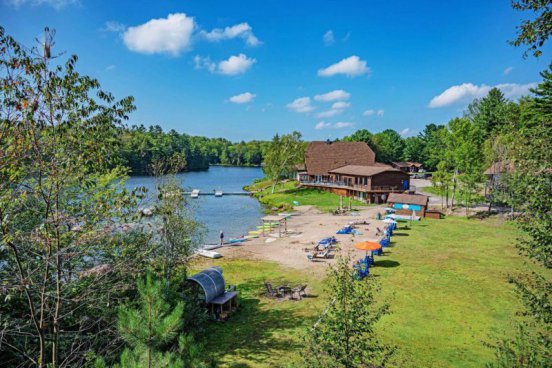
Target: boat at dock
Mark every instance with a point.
(195, 193)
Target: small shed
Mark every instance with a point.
(210, 291)
(406, 204)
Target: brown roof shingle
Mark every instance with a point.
(418, 199)
(321, 157)
(364, 170)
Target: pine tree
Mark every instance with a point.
(344, 335)
(150, 327)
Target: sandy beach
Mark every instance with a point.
(305, 228)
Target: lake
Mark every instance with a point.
(235, 215)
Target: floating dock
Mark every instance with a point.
(196, 193)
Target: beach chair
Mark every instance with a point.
(364, 268)
(324, 254)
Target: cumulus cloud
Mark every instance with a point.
(466, 92)
(328, 38)
(242, 30)
(56, 4)
(242, 98)
(352, 66)
(508, 70)
(338, 125)
(301, 104)
(170, 35)
(341, 105)
(322, 125)
(335, 95)
(336, 109)
(235, 65)
(371, 112)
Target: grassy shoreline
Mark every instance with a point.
(288, 192)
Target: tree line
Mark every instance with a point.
(140, 148)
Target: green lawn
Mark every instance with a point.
(265, 332)
(445, 280)
(286, 193)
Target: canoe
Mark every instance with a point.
(255, 232)
(209, 254)
(250, 236)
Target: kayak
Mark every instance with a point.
(209, 254)
(236, 240)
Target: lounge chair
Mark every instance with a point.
(298, 292)
(323, 254)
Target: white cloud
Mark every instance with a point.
(170, 35)
(56, 4)
(110, 67)
(301, 104)
(242, 98)
(338, 125)
(233, 66)
(329, 113)
(341, 105)
(335, 95)
(371, 112)
(242, 30)
(343, 124)
(466, 92)
(508, 70)
(328, 38)
(112, 26)
(322, 125)
(205, 63)
(352, 66)
(405, 132)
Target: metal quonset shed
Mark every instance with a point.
(211, 291)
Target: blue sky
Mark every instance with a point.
(250, 69)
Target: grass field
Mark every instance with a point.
(445, 280)
(286, 193)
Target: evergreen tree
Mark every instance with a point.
(344, 335)
(151, 327)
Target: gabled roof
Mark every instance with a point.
(359, 170)
(406, 164)
(418, 199)
(321, 157)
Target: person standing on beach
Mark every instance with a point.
(221, 238)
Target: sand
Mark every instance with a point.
(305, 229)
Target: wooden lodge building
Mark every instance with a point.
(350, 169)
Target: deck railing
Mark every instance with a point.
(346, 185)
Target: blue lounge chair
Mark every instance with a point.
(345, 230)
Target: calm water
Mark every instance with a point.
(234, 215)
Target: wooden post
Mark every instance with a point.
(350, 203)
(340, 203)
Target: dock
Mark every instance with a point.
(196, 193)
